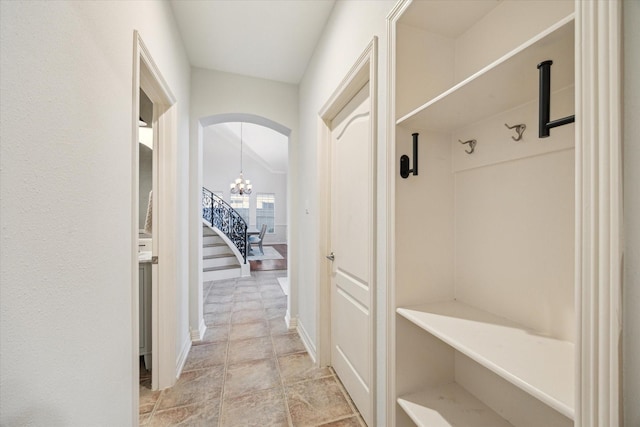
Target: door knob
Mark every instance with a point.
(331, 257)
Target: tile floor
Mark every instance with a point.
(249, 370)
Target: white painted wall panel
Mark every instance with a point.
(503, 29)
(425, 214)
(65, 209)
(514, 219)
(435, 58)
(514, 241)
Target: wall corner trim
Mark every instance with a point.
(182, 357)
(307, 342)
(198, 334)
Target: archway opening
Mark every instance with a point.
(218, 164)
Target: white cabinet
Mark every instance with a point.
(144, 283)
(483, 294)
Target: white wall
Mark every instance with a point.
(631, 292)
(66, 204)
(215, 92)
(350, 29)
(221, 165)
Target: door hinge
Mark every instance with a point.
(154, 259)
(331, 256)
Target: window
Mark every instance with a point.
(241, 205)
(265, 211)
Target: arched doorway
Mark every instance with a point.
(196, 317)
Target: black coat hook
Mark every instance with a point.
(544, 124)
(404, 160)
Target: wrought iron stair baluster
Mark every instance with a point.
(222, 216)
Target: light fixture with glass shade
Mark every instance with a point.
(240, 185)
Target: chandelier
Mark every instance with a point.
(240, 185)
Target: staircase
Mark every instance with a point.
(218, 260)
(224, 240)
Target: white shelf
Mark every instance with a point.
(506, 83)
(447, 406)
(539, 365)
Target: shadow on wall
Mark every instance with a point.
(146, 164)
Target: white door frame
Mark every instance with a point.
(390, 399)
(364, 70)
(599, 225)
(147, 76)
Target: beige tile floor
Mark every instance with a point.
(249, 370)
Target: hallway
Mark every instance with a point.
(249, 370)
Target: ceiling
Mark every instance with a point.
(268, 147)
(427, 15)
(270, 39)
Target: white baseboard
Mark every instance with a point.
(306, 341)
(198, 335)
(284, 284)
(292, 322)
(182, 358)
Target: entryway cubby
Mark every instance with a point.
(483, 294)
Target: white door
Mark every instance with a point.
(352, 219)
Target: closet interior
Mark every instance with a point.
(483, 297)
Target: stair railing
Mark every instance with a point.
(226, 219)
